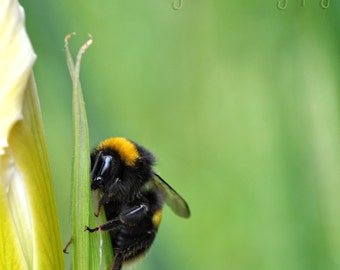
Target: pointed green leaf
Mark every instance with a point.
(91, 251)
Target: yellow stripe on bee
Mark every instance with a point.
(157, 218)
(126, 149)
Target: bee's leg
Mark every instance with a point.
(97, 202)
(91, 230)
(107, 226)
(118, 261)
(134, 215)
(98, 210)
(67, 245)
(130, 217)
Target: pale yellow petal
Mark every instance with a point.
(16, 61)
(29, 232)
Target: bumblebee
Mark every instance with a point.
(132, 195)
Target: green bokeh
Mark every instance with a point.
(237, 99)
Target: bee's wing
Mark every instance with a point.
(172, 198)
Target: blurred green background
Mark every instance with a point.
(238, 100)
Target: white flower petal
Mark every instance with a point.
(29, 235)
(16, 61)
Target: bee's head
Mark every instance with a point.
(120, 167)
(106, 166)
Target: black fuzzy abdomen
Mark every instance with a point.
(132, 241)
